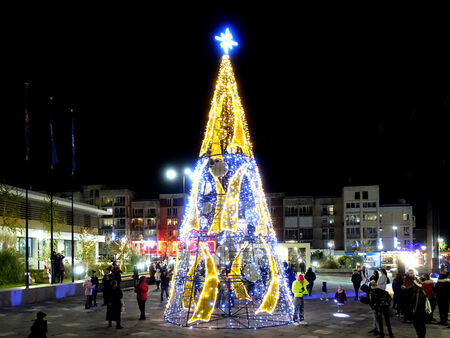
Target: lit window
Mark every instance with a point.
(406, 217)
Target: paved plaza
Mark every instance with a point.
(68, 318)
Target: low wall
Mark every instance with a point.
(39, 293)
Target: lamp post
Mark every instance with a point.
(172, 174)
(39, 237)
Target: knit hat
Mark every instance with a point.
(300, 277)
(40, 315)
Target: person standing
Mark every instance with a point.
(302, 267)
(291, 275)
(299, 288)
(39, 328)
(371, 301)
(117, 273)
(419, 314)
(88, 293)
(407, 293)
(95, 284)
(398, 297)
(340, 298)
(382, 279)
(107, 285)
(114, 305)
(310, 276)
(427, 287)
(158, 277)
(356, 281)
(135, 275)
(164, 284)
(141, 290)
(375, 276)
(324, 291)
(381, 301)
(442, 289)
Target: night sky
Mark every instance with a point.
(331, 98)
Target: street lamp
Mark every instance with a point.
(172, 174)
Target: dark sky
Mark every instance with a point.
(331, 97)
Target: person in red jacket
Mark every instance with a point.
(427, 286)
(141, 290)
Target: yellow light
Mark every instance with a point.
(227, 127)
(270, 299)
(188, 295)
(235, 272)
(207, 301)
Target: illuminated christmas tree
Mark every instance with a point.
(227, 273)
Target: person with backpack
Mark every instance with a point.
(380, 302)
(356, 281)
(310, 276)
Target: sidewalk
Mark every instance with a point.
(68, 318)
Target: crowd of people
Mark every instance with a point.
(414, 298)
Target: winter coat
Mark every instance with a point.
(442, 288)
(427, 286)
(88, 287)
(379, 298)
(382, 280)
(397, 288)
(38, 329)
(341, 297)
(299, 288)
(165, 280)
(310, 276)
(141, 290)
(356, 278)
(94, 281)
(418, 301)
(158, 275)
(114, 304)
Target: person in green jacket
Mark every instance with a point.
(299, 289)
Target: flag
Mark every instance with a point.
(73, 145)
(27, 125)
(52, 139)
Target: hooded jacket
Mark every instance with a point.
(141, 289)
(299, 288)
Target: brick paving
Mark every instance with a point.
(68, 318)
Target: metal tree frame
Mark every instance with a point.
(229, 312)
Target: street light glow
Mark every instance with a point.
(171, 174)
(394, 227)
(440, 240)
(187, 172)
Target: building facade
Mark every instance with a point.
(275, 205)
(328, 223)
(361, 205)
(145, 220)
(397, 226)
(171, 213)
(86, 220)
(298, 219)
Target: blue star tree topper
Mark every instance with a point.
(226, 41)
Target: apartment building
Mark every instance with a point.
(171, 213)
(327, 223)
(275, 205)
(397, 225)
(298, 219)
(361, 205)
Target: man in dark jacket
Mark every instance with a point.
(356, 280)
(106, 282)
(380, 301)
(442, 289)
(95, 284)
(164, 284)
(419, 315)
(116, 272)
(310, 276)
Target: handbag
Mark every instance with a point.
(427, 306)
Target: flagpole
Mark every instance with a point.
(27, 159)
(52, 258)
(73, 176)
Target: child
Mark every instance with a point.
(324, 291)
(340, 298)
(88, 293)
(39, 328)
